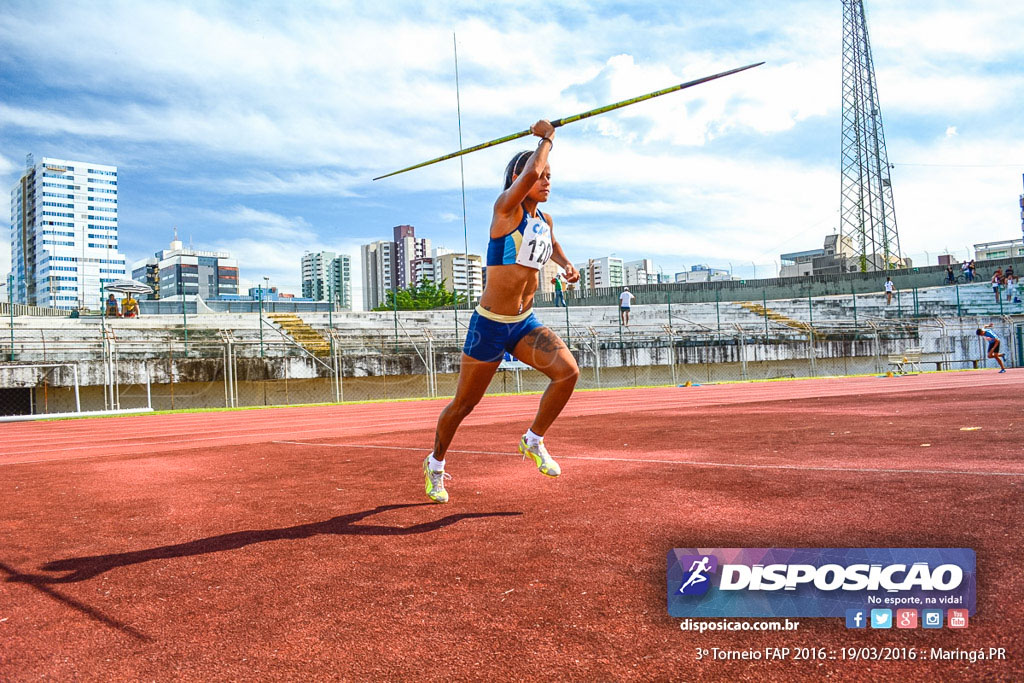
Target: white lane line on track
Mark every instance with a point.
(588, 406)
(692, 463)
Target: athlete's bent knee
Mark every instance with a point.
(567, 373)
(460, 408)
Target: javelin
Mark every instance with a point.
(578, 117)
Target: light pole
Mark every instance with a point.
(261, 319)
(330, 309)
(10, 308)
(184, 314)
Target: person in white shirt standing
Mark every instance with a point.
(889, 287)
(625, 301)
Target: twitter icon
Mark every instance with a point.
(881, 618)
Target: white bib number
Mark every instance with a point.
(535, 249)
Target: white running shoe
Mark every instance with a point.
(545, 463)
(435, 482)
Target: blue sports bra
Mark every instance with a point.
(502, 251)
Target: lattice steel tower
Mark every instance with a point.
(867, 215)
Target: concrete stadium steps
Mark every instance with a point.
(304, 335)
(760, 311)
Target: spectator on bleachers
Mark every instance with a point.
(112, 311)
(997, 282)
(130, 307)
(950, 276)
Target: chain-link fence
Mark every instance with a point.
(52, 374)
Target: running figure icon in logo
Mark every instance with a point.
(700, 567)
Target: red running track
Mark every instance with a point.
(292, 543)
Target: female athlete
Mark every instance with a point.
(993, 345)
(521, 242)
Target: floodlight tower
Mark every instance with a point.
(867, 215)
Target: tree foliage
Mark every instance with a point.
(422, 296)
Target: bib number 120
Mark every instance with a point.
(545, 250)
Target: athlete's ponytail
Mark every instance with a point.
(516, 166)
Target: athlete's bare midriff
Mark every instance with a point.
(510, 289)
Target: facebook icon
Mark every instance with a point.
(856, 618)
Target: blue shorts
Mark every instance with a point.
(488, 340)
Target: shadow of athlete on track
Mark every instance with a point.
(84, 568)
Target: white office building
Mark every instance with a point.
(640, 272)
(601, 272)
(327, 276)
(64, 233)
(379, 272)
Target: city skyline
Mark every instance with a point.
(267, 157)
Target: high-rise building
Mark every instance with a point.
(327, 276)
(459, 275)
(601, 272)
(640, 272)
(378, 272)
(64, 234)
(179, 271)
(423, 269)
(408, 249)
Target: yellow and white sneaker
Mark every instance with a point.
(435, 482)
(546, 465)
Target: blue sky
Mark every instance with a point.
(256, 127)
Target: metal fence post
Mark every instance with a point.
(764, 307)
(718, 314)
(959, 314)
(811, 354)
(854, 293)
(10, 306)
(394, 300)
(568, 332)
(672, 353)
(227, 376)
